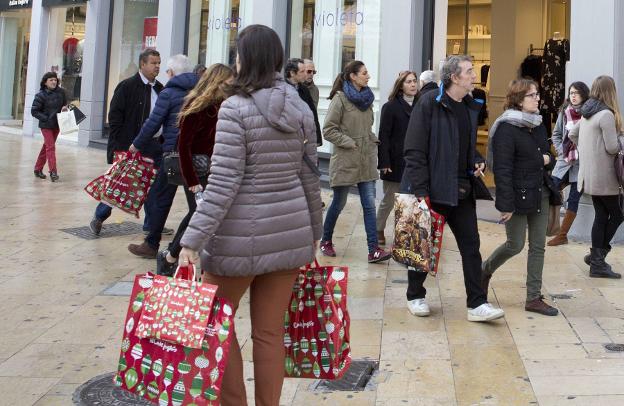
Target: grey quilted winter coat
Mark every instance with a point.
(261, 210)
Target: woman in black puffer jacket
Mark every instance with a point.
(50, 101)
(524, 189)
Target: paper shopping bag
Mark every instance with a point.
(67, 122)
(316, 324)
(170, 374)
(176, 310)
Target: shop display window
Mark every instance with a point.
(14, 43)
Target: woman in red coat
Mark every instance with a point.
(197, 122)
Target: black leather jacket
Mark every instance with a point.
(47, 104)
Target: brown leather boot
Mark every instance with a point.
(539, 306)
(562, 237)
(381, 238)
(143, 250)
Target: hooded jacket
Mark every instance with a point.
(165, 113)
(261, 210)
(597, 141)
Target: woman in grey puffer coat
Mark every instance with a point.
(260, 217)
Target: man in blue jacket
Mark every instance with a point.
(442, 163)
(165, 115)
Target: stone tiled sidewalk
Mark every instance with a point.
(59, 330)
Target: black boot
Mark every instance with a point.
(40, 175)
(54, 176)
(598, 268)
(587, 258)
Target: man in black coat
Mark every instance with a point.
(132, 102)
(295, 75)
(442, 163)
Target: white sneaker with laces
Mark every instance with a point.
(418, 307)
(485, 312)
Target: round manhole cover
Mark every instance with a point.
(102, 391)
(615, 347)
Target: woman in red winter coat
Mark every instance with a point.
(197, 121)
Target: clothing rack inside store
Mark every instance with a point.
(535, 51)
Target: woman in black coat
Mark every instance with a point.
(395, 116)
(50, 101)
(524, 190)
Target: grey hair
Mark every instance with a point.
(307, 61)
(179, 64)
(428, 76)
(451, 67)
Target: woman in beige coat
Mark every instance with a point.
(596, 136)
(260, 215)
(348, 125)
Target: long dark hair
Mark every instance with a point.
(583, 90)
(397, 89)
(261, 55)
(352, 67)
(46, 76)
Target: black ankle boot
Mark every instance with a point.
(587, 258)
(54, 176)
(598, 268)
(40, 174)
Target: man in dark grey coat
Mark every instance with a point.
(442, 163)
(295, 75)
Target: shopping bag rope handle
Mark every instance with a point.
(190, 266)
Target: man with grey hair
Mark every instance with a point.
(427, 83)
(442, 164)
(310, 71)
(165, 115)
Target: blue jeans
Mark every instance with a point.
(574, 197)
(367, 198)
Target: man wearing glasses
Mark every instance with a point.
(296, 74)
(309, 81)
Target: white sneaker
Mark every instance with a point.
(485, 312)
(418, 307)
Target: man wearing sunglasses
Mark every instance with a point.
(296, 75)
(309, 81)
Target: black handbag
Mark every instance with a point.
(171, 166)
(79, 115)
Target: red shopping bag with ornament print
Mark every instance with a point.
(176, 310)
(171, 374)
(316, 324)
(437, 230)
(126, 184)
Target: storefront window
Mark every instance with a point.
(198, 30)
(65, 47)
(136, 27)
(15, 36)
(224, 21)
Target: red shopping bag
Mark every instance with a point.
(316, 324)
(126, 183)
(437, 230)
(168, 373)
(176, 310)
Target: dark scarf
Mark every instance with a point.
(362, 99)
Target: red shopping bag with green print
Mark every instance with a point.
(177, 309)
(316, 324)
(170, 374)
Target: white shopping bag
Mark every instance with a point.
(67, 122)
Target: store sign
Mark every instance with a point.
(14, 4)
(150, 30)
(336, 17)
(225, 23)
(52, 3)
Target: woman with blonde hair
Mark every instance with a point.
(596, 135)
(198, 122)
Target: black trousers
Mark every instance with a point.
(462, 220)
(606, 221)
(174, 246)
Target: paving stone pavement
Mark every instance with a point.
(59, 328)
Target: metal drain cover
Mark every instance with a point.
(614, 347)
(355, 379)
(102, 391)
(108, 230)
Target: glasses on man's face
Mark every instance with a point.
(574, 93)
(311, 72)
(534, 96)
